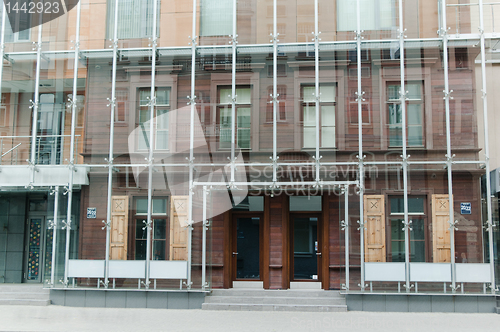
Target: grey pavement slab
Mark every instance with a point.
(58, 318)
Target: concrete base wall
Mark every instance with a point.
(421, 303)
(127, 299)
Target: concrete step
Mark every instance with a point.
(276, 293)
(274, 300)
(24, 302)
(274, 307)
(18, 295)
(23, 288)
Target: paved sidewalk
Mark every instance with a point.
(56, 318)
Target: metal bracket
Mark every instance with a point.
(358, 34)
(114, 43)
(316, 36)
(359, 96)
(148, 225)
(452, 225)
(274, 38)
(344, 224)
(408, 287)
(67, 189)
(107, 225)
(146, 284)
(483, 94)
(153, 42)
(36, 46)
(233, 39)
(192, 100)
(105, 284)
(34, 105)
(490, 286)
(407, 225)
(443, 32)
(32, 165)
(274, 98)
(447, 94)
(52, 224)
(361, 225)
(402, 33)
(192, 41)
(405, 158)
(188, 286)
(76, 45)
(112, 102)
(454, 289)
(345, 287)
(489, 226)
(151, 101)
(67, 225)
(65, 283)
(362, 287)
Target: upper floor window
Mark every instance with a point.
(216, 17)
(161, 119)
(135, 19)
(414, 117)
(243, 116)
(375, 15)
(20, 21)
(326, 113)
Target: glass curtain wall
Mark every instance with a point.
(160, 119)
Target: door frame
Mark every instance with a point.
(234, 243)
(319, 230)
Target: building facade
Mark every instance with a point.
(190, 145)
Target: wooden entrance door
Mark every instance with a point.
(305, 245)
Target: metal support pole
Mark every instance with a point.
(112, 104)
(54, 237)
(403, 97)
(192, 99)
(487, 149)
(275, 91)
(204, 241)
(316, 86)
(234, 41)
(449, 157)
(360, 99)
(345, 227)
(73, 105)
(36, 103)
(2, 52)
(152, 140)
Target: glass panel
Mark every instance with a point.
(248, 239)
(250, 203)
(397, 241)
(328, 137)
(305, 203)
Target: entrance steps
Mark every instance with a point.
(275, 300)
(24, 294)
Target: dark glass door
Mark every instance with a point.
(246, 249)
(306, 247)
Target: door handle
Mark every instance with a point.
(318, 254)
(235, 253)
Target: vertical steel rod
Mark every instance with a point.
(360, 146)
(152, 141)
(72, 141)
(111, 145)
(316, 87)
(54, 238)
(233, 95)
(191, 145)
(35, 104)
(346, 234)
(204, 240)
(403, 97)
(449, 157)
(487, 150)
(275, 90)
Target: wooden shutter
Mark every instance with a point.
(441, 249)
(178, 230)
(374, 213)
(119, 227)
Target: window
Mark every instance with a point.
(216, 18)
(135, 19)
(414, 117)
(375, 15)
(21, 21)
(243, 116)
(416, 213)
(159, 228)
(161, 118)
(327, 116)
